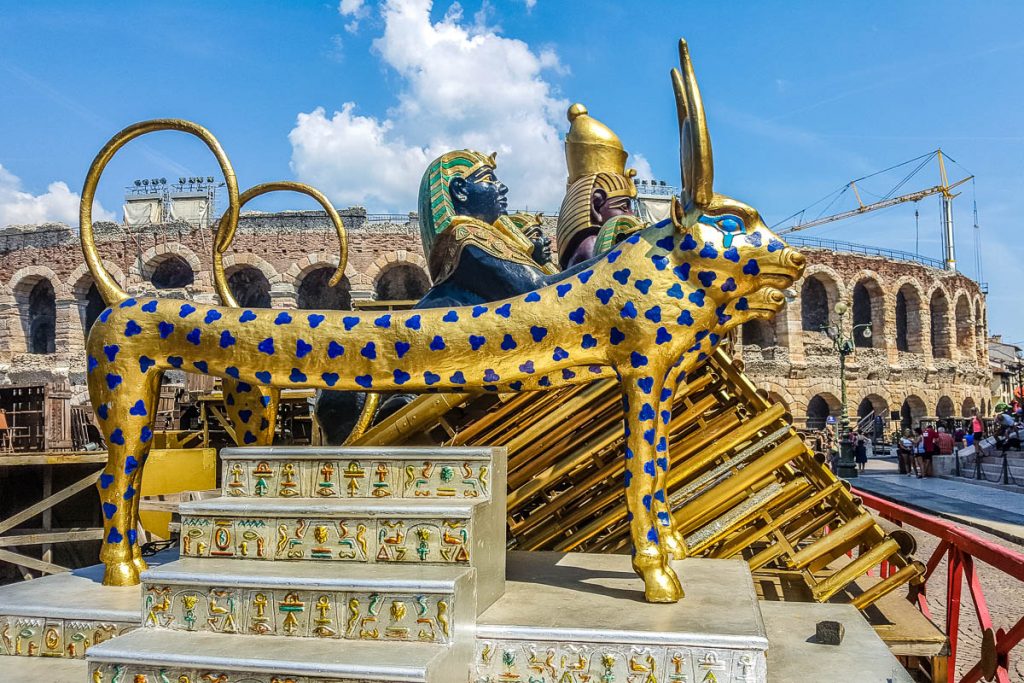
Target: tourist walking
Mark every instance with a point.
(860, 451)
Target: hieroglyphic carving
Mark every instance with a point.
(614, 663)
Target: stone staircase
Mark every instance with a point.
(323, 565)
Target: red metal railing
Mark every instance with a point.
(961, 549)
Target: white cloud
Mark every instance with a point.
(356, 9)
(58, 204)
(643, 167)
(530, 4)
(463, 85)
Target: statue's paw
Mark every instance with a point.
(661, 584)
(121, 573)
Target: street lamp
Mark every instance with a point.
(844, 346)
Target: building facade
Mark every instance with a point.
(927, 355)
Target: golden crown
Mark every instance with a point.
(591, 147)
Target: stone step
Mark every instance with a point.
(360, 472)
(415, 531)
(310, 599)
(153, 656)
(62, 615)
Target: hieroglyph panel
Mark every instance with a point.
(39, 637)
(357, 478)
(549, 662)
(366, 539)
(301, 613)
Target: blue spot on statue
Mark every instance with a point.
(709, 251)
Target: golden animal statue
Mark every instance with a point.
(650, 312)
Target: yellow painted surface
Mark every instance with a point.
(173, 471)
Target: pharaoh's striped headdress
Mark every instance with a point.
(435, 200)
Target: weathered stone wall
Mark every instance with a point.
(794, 364)
(943, 370)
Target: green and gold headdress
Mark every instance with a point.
(435, 200)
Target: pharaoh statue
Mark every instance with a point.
(598, 204)
(475, 251)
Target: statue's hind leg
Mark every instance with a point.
(125, 405)
(650, 557)
(252, 411)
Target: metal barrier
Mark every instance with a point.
(836, 245)
(961, 548)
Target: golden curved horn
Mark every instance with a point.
(227, 227)
(696, 163)
(108, 288)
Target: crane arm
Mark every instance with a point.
(885, 203)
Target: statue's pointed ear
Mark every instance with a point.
(696, 165)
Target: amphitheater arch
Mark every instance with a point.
(967, 407)
(401, 281)
(909, 318)
(944, 407)
(760, 333)
(250, 286)
(964, 325)
(314, 291)
(869, 308)
(173, 272)
(818, 296)
(35, 292)
(911, 412)
(940, 332)
(81, 279)
(820, 408)
(873, 403)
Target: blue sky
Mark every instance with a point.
(357, 97)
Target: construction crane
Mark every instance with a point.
(944, 188)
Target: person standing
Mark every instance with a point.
(905, 453)
(977, 429)
(860, 451)
(919, 451)
(944, 442)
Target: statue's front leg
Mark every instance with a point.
(672, 539)
(650, 558)
(126, 418)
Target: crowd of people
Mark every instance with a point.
(916, 447)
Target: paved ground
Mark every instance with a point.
(983, 508)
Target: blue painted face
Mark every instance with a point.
(729, 224)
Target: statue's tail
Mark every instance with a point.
(109, 290)
(227, 227)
